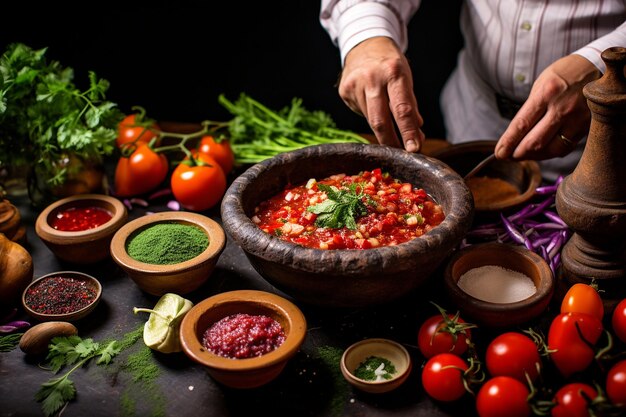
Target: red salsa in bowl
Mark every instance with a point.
(367, 210)
(75, 219)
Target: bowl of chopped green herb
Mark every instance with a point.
(169, 252)
(376, 365)
(347, 225)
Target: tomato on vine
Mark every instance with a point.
(503, 396)
(220, 150)
(140, 172)
(616, 384)
(618, 320)
(135, 128)
(443, 375)
(198, 183)
(444, 333)
(583, 298)
(573, 400)
(513, 354)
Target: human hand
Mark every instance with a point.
(377, 83)
(555, 116)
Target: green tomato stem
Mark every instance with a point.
(156, 313)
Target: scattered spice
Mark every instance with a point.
(331, 357)
(375, 368)
(496, 284)
(144, 373)
(240, 336)
(487, 190)
(59, 295)
(167, 243)
(77, 219)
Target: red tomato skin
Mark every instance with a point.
(513, 354)
(571, 353)
(431, 341)
(220, 151)
(616, 384)
(569, 401)
(198, 188)
(503, 396)
(441, 384)
(618, 320)
(583, 298)
(141, 172)
(127, 133)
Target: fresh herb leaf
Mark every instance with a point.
(342, 208)
(10, 342)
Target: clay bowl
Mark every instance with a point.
(508, 305)
(179, 278)
(523, 176)
(346, 278)
(249, 372)
(82, 246)
(394, 352)
(64, 288)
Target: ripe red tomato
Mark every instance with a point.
(438, 335)
(503, 396)
(198, 187)
(618, 320)
(571, 353)
(221, 151)
(616, 384)
(513, 354)
(442, 377)
(132, 129)
(583, 298)
(142, 171)
(570, 401)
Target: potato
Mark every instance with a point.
(16, 271)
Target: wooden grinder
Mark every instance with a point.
(592, 200)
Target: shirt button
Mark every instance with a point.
(520, 78)
(526, 25)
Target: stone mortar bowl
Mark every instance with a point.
(346, 278)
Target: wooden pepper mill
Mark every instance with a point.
(592, 200)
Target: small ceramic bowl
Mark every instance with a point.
(357, 354)
(81, 245)
(62, 296)
(501, 186)
(512, 299)
(246, 372)
(179, 278)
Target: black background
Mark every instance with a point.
(174, 58)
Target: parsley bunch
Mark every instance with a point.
(44, 116)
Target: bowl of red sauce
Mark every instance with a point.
(62, 296)
(79, 229)
(347, 225)
(244, 338)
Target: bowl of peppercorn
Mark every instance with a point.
(347, 225)
(169, 252)
(62, 296)
(244, 338)
(78, 229)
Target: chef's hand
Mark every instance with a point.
(377, 83)
(555, 116)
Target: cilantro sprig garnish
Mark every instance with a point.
(342, 208)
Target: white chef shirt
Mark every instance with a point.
(508, 43)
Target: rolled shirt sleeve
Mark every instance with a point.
(593, 50)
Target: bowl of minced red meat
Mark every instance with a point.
(347, 225)
(244, 338)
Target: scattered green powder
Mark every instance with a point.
(167, 243)
(331, 357)
(144, 373)
(375, 368)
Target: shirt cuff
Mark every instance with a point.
(367, 20)
(593, 51)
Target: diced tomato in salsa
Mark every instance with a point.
(396, 212)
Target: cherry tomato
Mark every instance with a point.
(221, 151)
(142, 171)
(439, 335)
(442, 377)
(618, 320)
(583, 298)
(132, 129)
(571, 353)
(513, 354)
(198, 187)
(570, 400)
(616, 384)
(503, 396)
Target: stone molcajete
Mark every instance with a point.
(592, 200)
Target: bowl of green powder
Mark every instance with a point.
(172, 251)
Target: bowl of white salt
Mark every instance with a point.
(498, 284)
